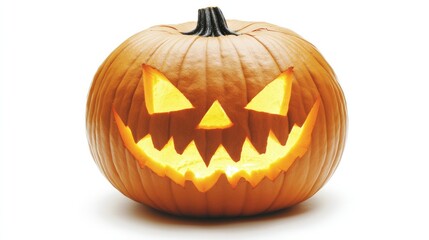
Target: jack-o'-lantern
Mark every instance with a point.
(216, 122)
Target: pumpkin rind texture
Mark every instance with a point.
(213, 80)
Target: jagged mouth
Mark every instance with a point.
(189, 165)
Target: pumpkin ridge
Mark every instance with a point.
(96, 87)
(148, 188)
(268, 50)
(262, 147)
(111, 122)
(304, 67)
(291, 52)
(246, 190)
(334, 151)
(248, 132)
(311, 53)
(202, 150)
(233, 152)
(159, 193)
(120, 82)
(334, 86)
(175, 200)
(181, 41)
(133, 96)
(130, 158)
(99, 96)
(281, 189)
(154, 120)
(325, 156)
(337, 152)
(137, 42)
(181, 147)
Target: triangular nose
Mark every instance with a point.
(215, 118)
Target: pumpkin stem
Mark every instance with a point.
(211, 23)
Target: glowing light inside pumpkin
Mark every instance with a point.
(215, 118)
(252, 166)
(274, 98)
(160, 95)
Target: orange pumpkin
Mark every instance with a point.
(214, 122)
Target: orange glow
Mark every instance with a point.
(160, 95)
(215, 118)
(252, 166)
(274, 98)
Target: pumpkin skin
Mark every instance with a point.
(232, 70)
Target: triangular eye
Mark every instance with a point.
(160, 95)
(274, 98)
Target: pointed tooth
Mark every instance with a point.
(259, 126)
(169, 146)
(213, 143)
(182, 128)
(182, 142)
(232, 140)
(280, 127)
(200, 143)
(207, 143)
(159, 130)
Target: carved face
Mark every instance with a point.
(214, 138)
(216, 117)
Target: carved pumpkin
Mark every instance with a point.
(214, 122)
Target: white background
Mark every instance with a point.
(52, 189)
